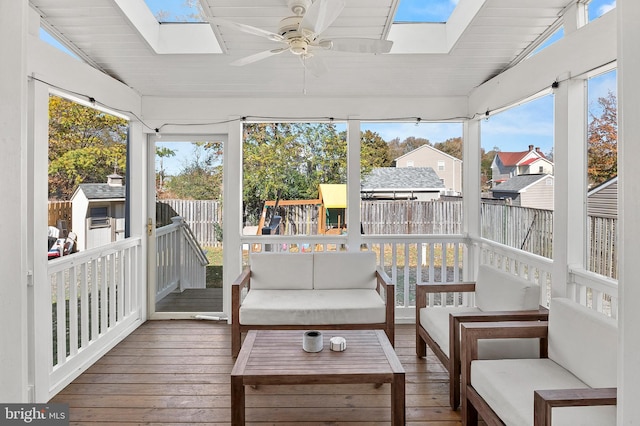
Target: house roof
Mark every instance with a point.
(425, 146)
(101, 191)
(519, 183)
(511, 159)
(407, 178)
(602, 186)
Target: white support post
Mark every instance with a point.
(354, 238)
(14, 23)
(575, 16)
(628, 208)
(570, 183)
(40, 342)
(232, 202)
(471, 193)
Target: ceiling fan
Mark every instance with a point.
(301, 34)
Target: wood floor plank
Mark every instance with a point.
(178, 373)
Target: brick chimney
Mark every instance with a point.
(530, 147)
(538, 150)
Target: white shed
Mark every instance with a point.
(98, 212)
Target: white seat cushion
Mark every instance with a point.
(340, 270)
(312, 307)
(580, 339)
(508, 386)
(498, 290)
(281, 271)
(436, 321)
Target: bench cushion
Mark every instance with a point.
(584, 342)
(508, 386)
(340, 270)
(312, 307)
(281, 271)
(497, 290)
(436, 321)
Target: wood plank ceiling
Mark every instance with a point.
(498, 33)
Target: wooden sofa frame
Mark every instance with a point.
(453, 363)
(473, 405)
(244, 281)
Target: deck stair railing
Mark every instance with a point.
(180, 261)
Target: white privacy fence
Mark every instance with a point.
(96, 298)
(180, 261)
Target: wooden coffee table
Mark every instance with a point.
(275, 357)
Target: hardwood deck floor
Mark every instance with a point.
(177, 372)
(192, 300)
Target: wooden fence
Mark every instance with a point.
(59, 211)
(204, 217)
(523, 228)
(602, 254)
(411, 217)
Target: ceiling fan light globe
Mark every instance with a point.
(298, 47)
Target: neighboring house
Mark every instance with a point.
(402, 183)
(533, 191)
(447, 167)
(98, 213)
(602, 201)
(506, 165)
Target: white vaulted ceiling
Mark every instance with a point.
(482, 39)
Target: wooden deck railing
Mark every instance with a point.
(180, 261)
(96, 297)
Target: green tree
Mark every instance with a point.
(602, 156)
(85, 146)
(374, 152)
(486, 159)
(289, 161)
(200, 178)
(162, 152)
(452, 146)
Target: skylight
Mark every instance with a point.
(424, 10)
(171, 11)
(597, 8)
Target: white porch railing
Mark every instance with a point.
(96, 298)
(180, 261)
(409, 259)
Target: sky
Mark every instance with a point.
(511, 130)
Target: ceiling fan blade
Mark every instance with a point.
(247, 29)
(359, 45)
(315, 65)
(321, 15)
(258, 57)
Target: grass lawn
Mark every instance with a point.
(214, 268)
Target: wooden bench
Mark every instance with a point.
(321, 290)
(575, 378)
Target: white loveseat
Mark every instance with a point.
(576, 381)
(321, 290)
(499, 296)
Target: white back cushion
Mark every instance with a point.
(584, 342)
(497, 290)
(341, 270)
(281, 271)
